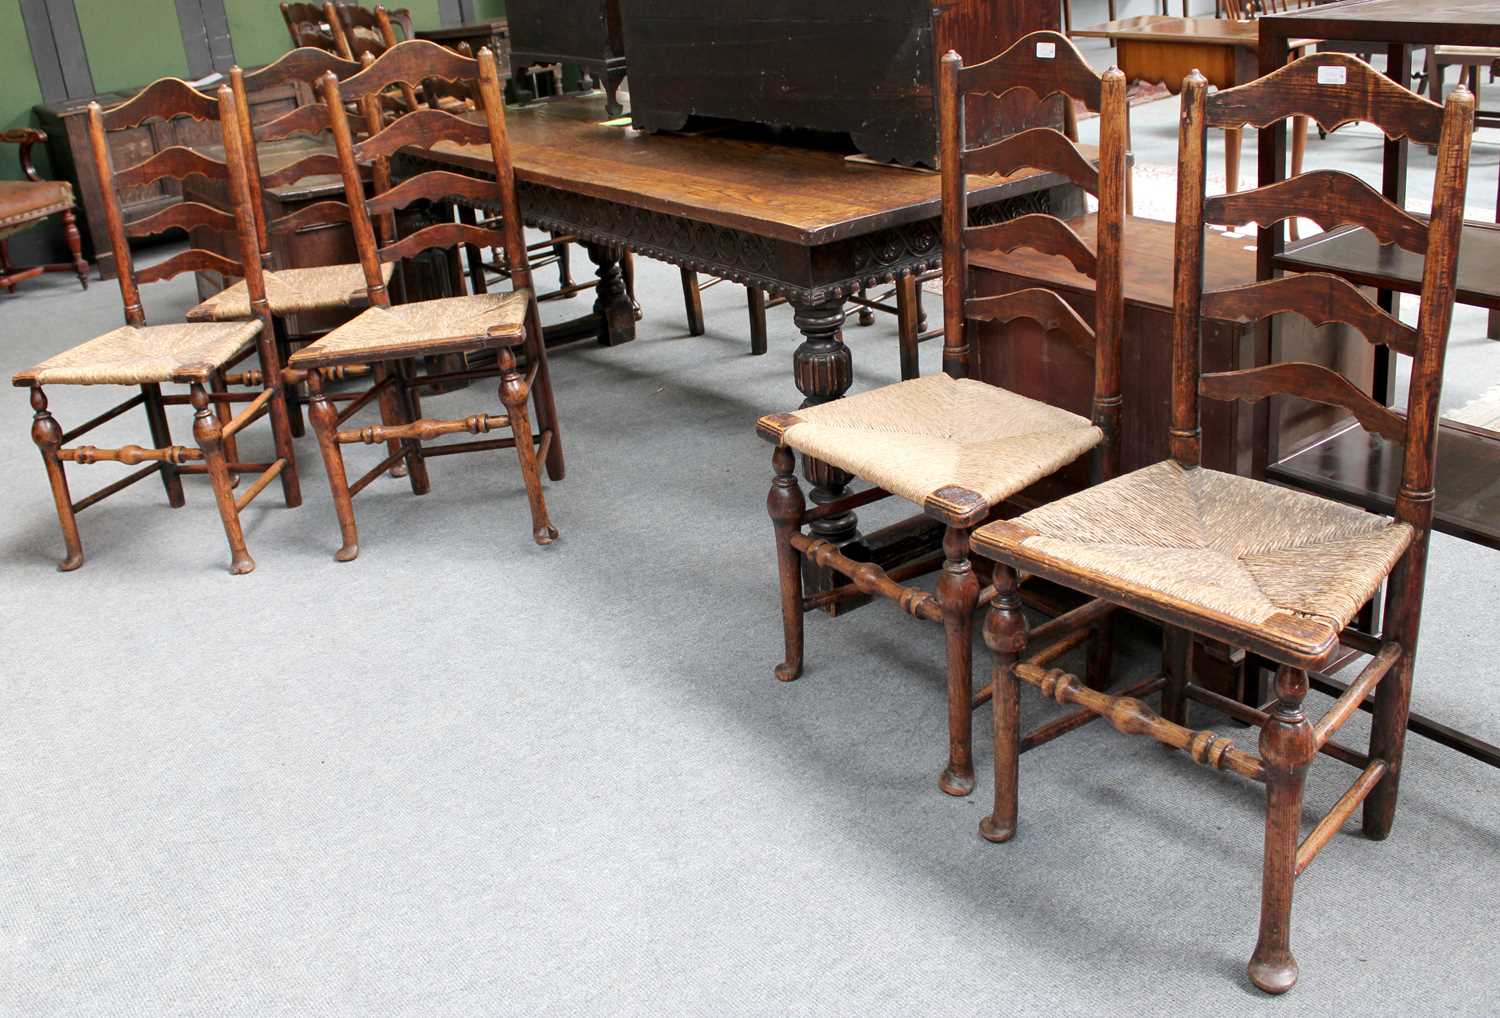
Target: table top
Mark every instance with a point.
(467, 30)
(803, 195)
(1442, 22)
(1168, 28)
(1354, 252)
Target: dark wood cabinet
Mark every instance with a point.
(68, 147)
(586, 33)
(865, 70)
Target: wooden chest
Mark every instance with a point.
(586, 33)
(865, 70)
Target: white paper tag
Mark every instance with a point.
(1046, 50)
(1333, 75)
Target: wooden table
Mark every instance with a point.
(805, 224)
(1163, 49)
(1348, 464)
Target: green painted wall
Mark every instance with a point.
(19, 86)
(132, 43)
(484, 9)
(257, 31)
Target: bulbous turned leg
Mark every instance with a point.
(513, 395)
(1287, 747)
(958, 593)
(1005, 635)
(206, 431)
(75, 246)
(47, 434)
(786, 506)
(325, 426)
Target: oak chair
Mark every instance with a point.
(25, 203)
(955, 446)
(1277, 572)
(150, 356)
(392, 337)
(359, 30)
(307, 24)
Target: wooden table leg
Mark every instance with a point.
(611, 303)
(823, 370)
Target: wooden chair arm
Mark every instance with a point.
(25, 137)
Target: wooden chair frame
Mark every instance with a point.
(305, 24)
(408, 64)
(10, 275)
(215, 425)
(958, 588)
(1288, 740)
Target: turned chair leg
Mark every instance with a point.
(958, 594)
(1287, 747)
(786, 506)
(513, 394)
(1177, 663)
(161, 438)
(390, 415)
(293, 390)
(47, 434)
(75, 246)
(281, 424)
(1393, 695)
(408, 408)
(210, 438)
(325, 426)
(1098, 672)
(225, 410)
(1005, 635)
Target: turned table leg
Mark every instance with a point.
(824, 370)
(612, 302)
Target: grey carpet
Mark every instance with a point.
(465, 775)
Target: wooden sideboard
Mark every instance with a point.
(68, 145)
(865, 70)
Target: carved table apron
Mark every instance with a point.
(690, 222)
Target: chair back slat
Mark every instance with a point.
(1043, 233)
(302, 65)
(1308, 381)
(170, 99)
(177, 161)
(441, 235)
(1306, 87)
(321, 213)
(191, 260)
(319, 164)
(1330, 198)
(1319, 297)
(434, 185)
(186, 216)
(1041, 148)
(422, 128)
(1040, 305)
(164, 99)
(1332, 89)
(410, 63)
(1047, 65)
(311, 119)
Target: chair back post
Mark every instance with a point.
(114, 220)
(1414, 502)
(1184, 438)
(354, 192)
(955, 216)
(341, 39)
(493, 101)
(1109, 290)
(248, 216)
(251, 153)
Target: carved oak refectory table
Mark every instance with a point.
(805, 224)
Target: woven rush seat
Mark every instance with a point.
(446, 325)
(292, 291)
(132, 355)
(955, 446)
(23, 202)
(1281, 567)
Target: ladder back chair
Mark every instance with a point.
(956, 446)
(1277, 572)
(307, 24)
(194, 354)
(305, 150)
(391, 337)
(359, 30)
